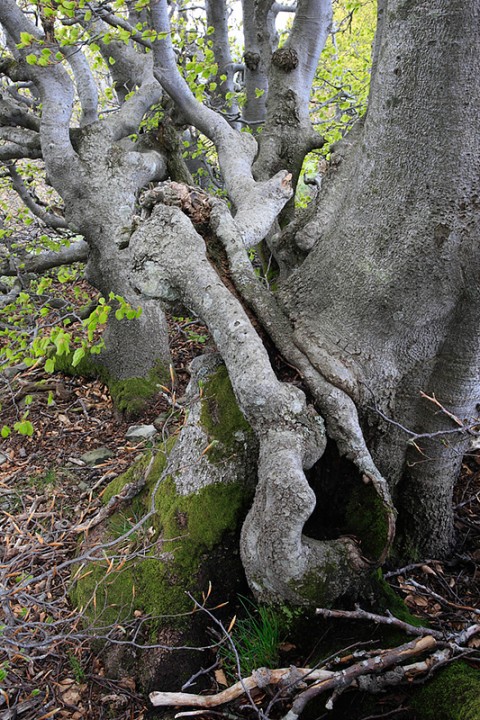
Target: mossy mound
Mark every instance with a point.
(130, 395)
(452, 694)
(220, 415)
(181, 533)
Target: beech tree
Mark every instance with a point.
(375, 299)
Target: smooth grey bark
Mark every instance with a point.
(280, 562)
(85, 85)
(401, 315)
(217, 14)
(98, 179)
(288, 134)
(260, 39)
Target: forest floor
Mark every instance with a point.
(48, 488)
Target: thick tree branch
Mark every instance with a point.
(311, 26)
(85, 84)
(288, 133)
(11, 113)
(57, 96)
(170, 262)
(76, 252)
(260, 40)
(217, 17)
(13, 151)
(28, 139)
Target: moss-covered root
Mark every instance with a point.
(184, 530)
(453, 694)
(221, 417)
(130, 395)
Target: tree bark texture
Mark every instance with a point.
(390, 291)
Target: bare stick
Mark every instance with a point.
(385, 659)
(359, 614)
(260, 678)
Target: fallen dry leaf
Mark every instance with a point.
(428, 570)
(128, 683)
(71, 696)
(221, 678)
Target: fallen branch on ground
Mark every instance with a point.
(321, 679)
(373, 672)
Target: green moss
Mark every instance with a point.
(367, 519)
(129, 395)
(133, 474)
(185, 529)
(220, 415)
(387, 599)
(105, 598)
(453, 694)
(195, 523)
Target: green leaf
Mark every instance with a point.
(24, 427)
(26, 38)
(77, 356)
(32, 59)
(5, 431)
(50, 365)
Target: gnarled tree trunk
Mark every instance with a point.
(390, 289)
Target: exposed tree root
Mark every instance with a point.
(330, 383)
(171, 263)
